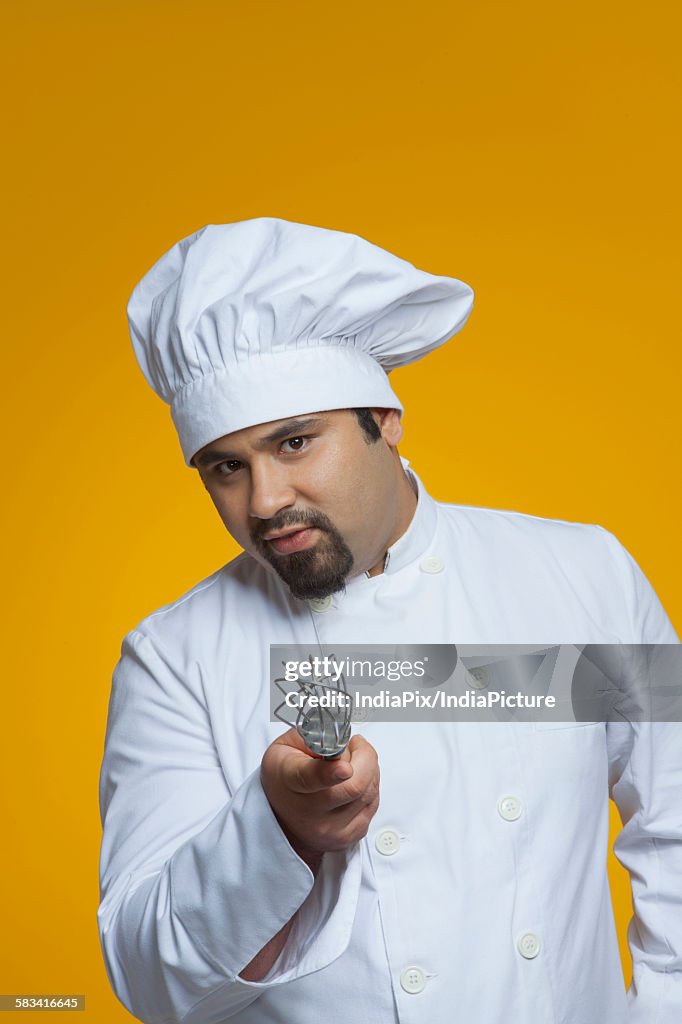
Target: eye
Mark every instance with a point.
(228, 468)
(294, 444)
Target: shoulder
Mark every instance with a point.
(504, 527)
(241, 585)
(558, 561)
(520, 547)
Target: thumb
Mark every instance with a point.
(304, 772)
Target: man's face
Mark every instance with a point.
(311, 495)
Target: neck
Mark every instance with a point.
(405, 509)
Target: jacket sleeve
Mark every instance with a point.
(196, 879)
(646, 785)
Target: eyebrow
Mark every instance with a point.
(286, 430)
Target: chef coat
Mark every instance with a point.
(480, 893)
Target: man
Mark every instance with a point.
(244, 879)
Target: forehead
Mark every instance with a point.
(263, 434)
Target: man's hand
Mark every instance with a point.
(321, 805)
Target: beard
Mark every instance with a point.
(317, 571)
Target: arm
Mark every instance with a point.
(646, 785)
(647, 789)
(322, 807)
(197, 880)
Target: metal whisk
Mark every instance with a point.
(321, 715)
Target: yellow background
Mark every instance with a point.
(528, 148)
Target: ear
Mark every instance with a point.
(388, 421)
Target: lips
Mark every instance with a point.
(292, 540)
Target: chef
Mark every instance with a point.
(437, 872)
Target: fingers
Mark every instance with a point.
(346, 778)
(365, 776)
(340, 829)
(322, 805)
(303, 772)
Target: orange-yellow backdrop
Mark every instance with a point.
(529, 148)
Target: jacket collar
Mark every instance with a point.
(419, 534)
(416, 539)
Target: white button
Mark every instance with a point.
(478, 678)
(387, 842)
(528, 945)
(413, 979)
(431, 564)
(362, 714)
(320, 604)
(510, 808)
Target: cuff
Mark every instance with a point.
(245, 870)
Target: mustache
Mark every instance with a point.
(290, 517)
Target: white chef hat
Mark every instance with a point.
(263, 319)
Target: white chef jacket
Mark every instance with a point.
(480, 893)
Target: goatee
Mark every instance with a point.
(317, 571)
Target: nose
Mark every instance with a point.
(271, 490)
